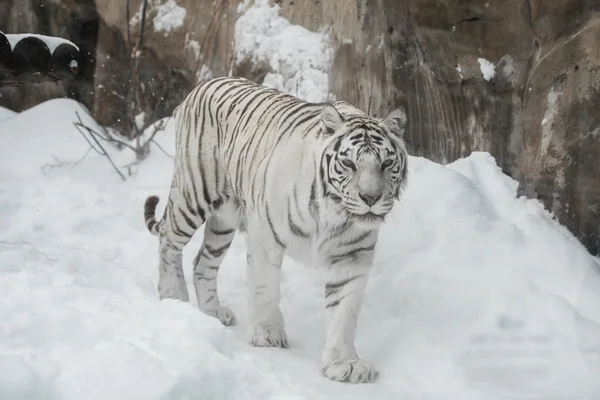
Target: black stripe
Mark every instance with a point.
(221, 233)
(205, 193)
(357, 239)
(311, 128)
(235, 100)
(334, 287)
(218, 252)
(266, 168)
(189, 203)
(200, 276)
(275, 236)
(303, 120)
(301, 106)
(350, 254)
(313, 204)
(336, 302)
(188, 220)
(297, 203)
(296, 230)
(248, 102)
(268, 96)
(337, 144)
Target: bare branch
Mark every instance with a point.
(93, 134)
(128, 25)
(161, 149)
(142, 24)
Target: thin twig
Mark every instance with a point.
(163, 150)
(107, 137)
(142, 24)
(79, 126)
(127, 17)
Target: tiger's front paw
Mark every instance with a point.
(269, 336)
(353, 371)
(223, 314)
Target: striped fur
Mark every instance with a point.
(314, 181)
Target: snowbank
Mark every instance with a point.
(476, 294)
(5, 113)
(299, 58)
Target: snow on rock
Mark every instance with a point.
(548, 119)
(51, 41)
(167, 15)
(460, 71)
(299, 59)
(475, 294)
(488, 69)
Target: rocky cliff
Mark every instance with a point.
(517, 78)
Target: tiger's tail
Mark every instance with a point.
(149, 210)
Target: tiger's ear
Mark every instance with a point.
(331, 118)
(396, 121)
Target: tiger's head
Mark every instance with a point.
(363, 167)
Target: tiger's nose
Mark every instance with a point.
(370, 199)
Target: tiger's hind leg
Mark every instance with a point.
(218, 235)
(181, 220)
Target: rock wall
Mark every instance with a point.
(538, 115)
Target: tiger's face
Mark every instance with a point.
(364, 166)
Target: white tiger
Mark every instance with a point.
(297, 177)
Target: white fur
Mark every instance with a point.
(275, 193)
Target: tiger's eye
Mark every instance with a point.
(387, 164)
(348, 164)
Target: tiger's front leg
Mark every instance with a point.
(265, 254)
(345, 285)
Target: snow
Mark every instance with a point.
(51, 41)
(459, 70)
(593, 133)
(140, 119)
(5, 113)
(299, 59)
(204, 74)
(476, 294)
(548, 119)
(167, 15)
(488, 69)
(193, 46)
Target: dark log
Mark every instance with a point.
(31, 59)
(66, 61)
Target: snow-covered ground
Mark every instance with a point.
(476, 294)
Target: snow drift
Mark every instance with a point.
(476, 294)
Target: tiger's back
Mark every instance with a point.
(245, 130)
